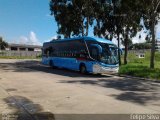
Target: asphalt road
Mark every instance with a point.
(30, 90)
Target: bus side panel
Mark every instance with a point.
(69, 63)
(45, 61)
(59, 62)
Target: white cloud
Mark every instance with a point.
(136, 39)
(114, 40)
(158, 31)
(53, 37)
(23, 40)
(31, 40)
(143, 34)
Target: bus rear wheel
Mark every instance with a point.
(83, 69)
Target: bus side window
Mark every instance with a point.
(94, 53)
(83, 54)
(51, 51)
(48, 52)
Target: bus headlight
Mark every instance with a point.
(102, 69)
(97, 68)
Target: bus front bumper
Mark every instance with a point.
(105, 70)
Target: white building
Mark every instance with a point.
(23, 47)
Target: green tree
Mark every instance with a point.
(150, 10)
(62, 11)
(73, 17)
(119, 20)
(130, 23)
(3, 44)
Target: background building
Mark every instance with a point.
(22, 50)
(23, 47)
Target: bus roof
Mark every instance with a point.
(102, 40)
(85, 38)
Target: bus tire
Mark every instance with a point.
(82, 69)
(51, 64)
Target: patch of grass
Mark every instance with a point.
(139, 67)
(139, 70)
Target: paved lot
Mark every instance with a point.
(34, 91)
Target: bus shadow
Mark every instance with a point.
(132, 90)
(34, 66)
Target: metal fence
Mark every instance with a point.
(20, 53)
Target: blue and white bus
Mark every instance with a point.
(84, 54)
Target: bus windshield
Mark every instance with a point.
(109, 54)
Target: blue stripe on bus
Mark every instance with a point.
(73, 63)
(69, 63)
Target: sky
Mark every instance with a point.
(29, 22)
(26, 21)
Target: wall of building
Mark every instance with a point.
(20, 53)
(23, 47)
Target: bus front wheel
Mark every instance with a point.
(83, 69)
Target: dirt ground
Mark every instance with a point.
(30, 90)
